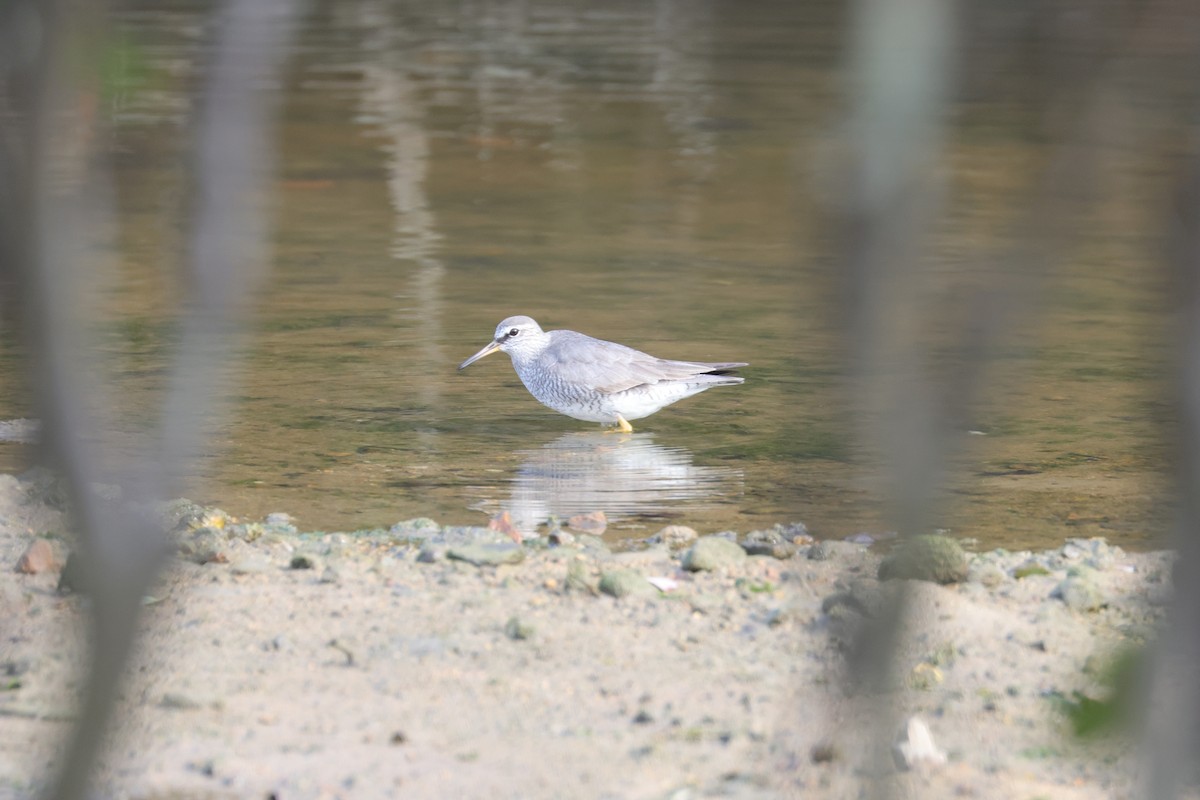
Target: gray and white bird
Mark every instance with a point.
(598, 381)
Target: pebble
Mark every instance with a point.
(675, 537)
(418, 528)
(517, 630)
(180, 701)
(431, 552)
(713, 552)
(484, 555)
(772, 543)
(624, 583)
(560, 538)
(304, 561)
(38, 557)
(595, 522)
(915, 747)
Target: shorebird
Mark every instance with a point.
(598, 381)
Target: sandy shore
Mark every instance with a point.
(452, 662)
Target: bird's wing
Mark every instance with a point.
(610, 367)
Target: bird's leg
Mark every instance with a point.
(623, 425)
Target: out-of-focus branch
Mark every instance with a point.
(1173, 711)
(913, 421)
(899, 66)
(45, 261)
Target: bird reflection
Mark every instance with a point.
(623, 475)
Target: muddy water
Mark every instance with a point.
(661, 174)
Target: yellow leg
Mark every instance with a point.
(622, 426)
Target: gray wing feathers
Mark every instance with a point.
(610, 367)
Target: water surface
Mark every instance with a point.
(661, 174)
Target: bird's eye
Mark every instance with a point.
(513, 332)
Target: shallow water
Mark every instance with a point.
(660, 174)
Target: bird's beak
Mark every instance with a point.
(488, 349)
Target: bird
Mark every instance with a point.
(599, 381)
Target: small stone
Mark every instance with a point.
(38, 557)
(431, 552)
(560, 537)
(624, 583)
(503, 523)
(593, 522)
(915, 748)
(713, 552)
(418, 528)
(485, 555)
(517, 630)
(331, 575)
(938, 559)
(823, 753)
(769, 543)
(833, 550)
(675, 537)
(180, 701)
(643, 717)
(1081, 593)
(304, 561)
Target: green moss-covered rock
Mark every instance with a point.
(485, 555)
(624, 583)
(713, 552)
(937, 559)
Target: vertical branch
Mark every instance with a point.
(42, 249)
(1173, 713)
(899, 64)
(900, 60)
